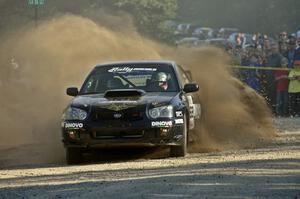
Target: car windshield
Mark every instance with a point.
(150, 78)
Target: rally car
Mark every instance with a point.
(127, 104)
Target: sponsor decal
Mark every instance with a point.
(162, 124)
(117, 115)
(73, 125)
(120, 69)
(191, 106)
(179, 114)
(197, 111)
(178, 121)
(129, 69)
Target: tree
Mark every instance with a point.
(150, 15)
(269, 16)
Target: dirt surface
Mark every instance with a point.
(269, 172)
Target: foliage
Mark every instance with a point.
(269, 16)
(150, 15)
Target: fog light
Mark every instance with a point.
(164, 132)
(72, 135)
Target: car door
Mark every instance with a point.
(193, 100)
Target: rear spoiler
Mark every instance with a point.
(124, 93)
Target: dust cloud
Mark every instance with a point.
(37, 64)
(233, 115)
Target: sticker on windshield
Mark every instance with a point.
(129, 69)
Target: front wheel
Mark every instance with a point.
(73, 155)
(181, 150)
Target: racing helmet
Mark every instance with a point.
(161, 80)
(160, 77)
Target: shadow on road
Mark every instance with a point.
(238, 179)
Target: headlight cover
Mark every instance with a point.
(74, 114)
(161, 112)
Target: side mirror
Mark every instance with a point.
(72, 91)
(190, 88)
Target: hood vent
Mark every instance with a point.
(124, 93)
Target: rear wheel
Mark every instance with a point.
(181, 150)
(73, 155)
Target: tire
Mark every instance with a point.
(181, 150)
(73, 156)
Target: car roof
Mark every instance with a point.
(167, 62)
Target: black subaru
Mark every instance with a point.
(127, 104)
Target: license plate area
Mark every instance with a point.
(118, 134)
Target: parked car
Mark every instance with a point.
(188, 42)
(203, 33)
(217, 42)
(226, 32)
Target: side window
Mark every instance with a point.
(183, 77)
(90, 85)
(96, 83)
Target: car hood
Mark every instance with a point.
(98, 100)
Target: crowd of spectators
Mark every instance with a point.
(274, 70)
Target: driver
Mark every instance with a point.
(160, 81)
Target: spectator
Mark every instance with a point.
(240, 40)
(290, 55)
(256, 40)
(273, 60)
(250, 76)
(292, 38)
(282, 84)
(261, 41)
(297, 51)
(245, 55)
(294, 89)
(266, 47)
(283, 48)
(236, 56)
(283, 37)
(298, 33)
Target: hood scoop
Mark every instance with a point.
(124, 93)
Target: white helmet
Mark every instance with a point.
(298, 34)
(161, 77)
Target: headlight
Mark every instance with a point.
(161, 112)
(74, 114)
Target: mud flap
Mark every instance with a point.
(194, 112)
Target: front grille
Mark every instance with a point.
(128, 115)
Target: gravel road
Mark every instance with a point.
(269, 172)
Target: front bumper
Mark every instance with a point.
(93, 135)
